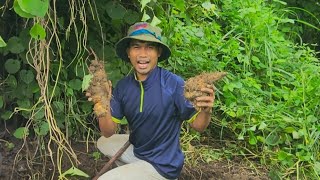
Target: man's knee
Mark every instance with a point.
(109, 146)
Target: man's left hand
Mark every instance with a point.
(206, 102)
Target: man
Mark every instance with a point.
(152, 101)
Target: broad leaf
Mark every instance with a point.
(6, 115)
(59, 106)
(24, 103)
(35, 7)
(20, 12)
(42, 129)
(38, 32)
(262, 126)
(26, 76)
(12, 66)
(131, 17)
(15, 45)
(155, 21)
(207, 5)
(39, 114)
(145, 16)
(2, 43)
(144, 3)
(116, 10)
(12, 82)
(272, 139)
(75, 84)
(73, 171)
(252, 138)
(86, 82)
(21, 132)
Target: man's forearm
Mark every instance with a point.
(107, 126)
(202, 121)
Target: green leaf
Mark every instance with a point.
(75, 84)
(317, 167)
(207, 5)
(20, 12)
(144, 3)
(131, 17)
(1, 101)
(180, 4)
(24, 103)
(116, 10)
(39, 114)
(86, 107)
(73, 171)
(262, 126)
(26, 76)
(12, 66)
(253, 128)
(15, 45)
(86, 82)
(43, 129)
(312, 119)
(2, 43)
(272, 139)
(59, 106)
(155, 21)
(252, 138)
(21, 132)
(6, 115)
(145, 16)
(295, 135)
(35, 7)
(282, 155)
(38, 32)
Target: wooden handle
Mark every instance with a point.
(108, 165)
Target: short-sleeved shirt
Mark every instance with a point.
(154, 109)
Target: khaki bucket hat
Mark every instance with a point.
(145, 32)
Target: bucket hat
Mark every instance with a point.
(145, 32)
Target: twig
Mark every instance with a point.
(107, 166)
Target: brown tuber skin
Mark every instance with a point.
(193, 85)
(99, 91)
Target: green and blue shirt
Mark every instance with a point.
(154, 109)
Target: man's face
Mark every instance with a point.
(143, 56)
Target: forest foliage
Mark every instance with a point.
(268, 105)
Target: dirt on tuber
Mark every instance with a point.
(193, 85)
(99, 88)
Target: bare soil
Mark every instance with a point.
(15, 164)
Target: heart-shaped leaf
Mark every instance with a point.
(26, 76)
(12, 66)
(34, 7)
(20, 12)
(15, 45)
(21, 132)
(75, 84)
(37, 32)
(6, 115)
